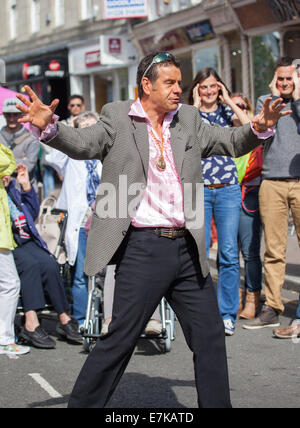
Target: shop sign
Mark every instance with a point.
(179, 38)
(55, 69)
(200, 32)
(115, 46)
(31, 71)
(124, 9)
(92, 58)
(117, 50)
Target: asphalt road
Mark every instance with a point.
(264, 372)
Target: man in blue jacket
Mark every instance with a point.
(36, 266)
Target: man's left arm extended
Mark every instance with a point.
(239, 141)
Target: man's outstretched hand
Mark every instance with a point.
(270, 114)
(34, 111)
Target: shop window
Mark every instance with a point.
(87, 9)
(207, 57)
(236, 67)
(59, 13)
(159, 8)
(35, 16)
(186, 65)
(266, 52)
(292, 44)
(13, 19)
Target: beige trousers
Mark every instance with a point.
(276, 199)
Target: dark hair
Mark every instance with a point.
(203, 74)
(285, 61)
(73, 97)
(152, 73)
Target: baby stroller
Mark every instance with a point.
(91, 330)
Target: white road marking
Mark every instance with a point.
(45, 385)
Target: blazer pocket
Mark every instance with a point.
(188, 147)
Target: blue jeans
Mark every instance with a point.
(48, 180)
(224, 205)
(80, 281)
(250, 239)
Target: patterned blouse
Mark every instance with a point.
(219, 169)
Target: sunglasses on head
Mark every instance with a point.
(161, 57)
(242, 106)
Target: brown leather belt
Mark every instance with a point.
(170, 233)
(164, 232)
(217, 186)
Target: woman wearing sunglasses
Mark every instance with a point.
(222, 193)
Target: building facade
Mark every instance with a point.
(54, 45)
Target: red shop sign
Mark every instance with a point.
(54, 65)
(92, 58)
(114, 46)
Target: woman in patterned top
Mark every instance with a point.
(222, 191)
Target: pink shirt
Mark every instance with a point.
(162, 201)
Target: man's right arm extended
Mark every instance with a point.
(93, 142)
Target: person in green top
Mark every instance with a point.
(9, 279)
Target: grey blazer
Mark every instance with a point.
(121, 143)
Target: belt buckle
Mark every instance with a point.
(168, 233)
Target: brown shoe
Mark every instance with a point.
(241, 298)
(251, 305)
(268, 317)
(291, 332)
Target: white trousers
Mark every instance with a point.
(9, 295)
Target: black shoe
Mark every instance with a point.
(38, 338)
(70, 332)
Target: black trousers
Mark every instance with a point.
(39, 272)
(152, 267)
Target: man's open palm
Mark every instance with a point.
(34, 111)
(270, 113)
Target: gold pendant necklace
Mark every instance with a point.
(160, 161)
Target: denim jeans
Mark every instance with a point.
(80, 281)
(48, 180)
(225, 205)
(250, 238)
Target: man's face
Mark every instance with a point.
(76, 107)
(285, 82)
(165, 92)
(12, 120)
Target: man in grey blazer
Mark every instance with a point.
(149, 219)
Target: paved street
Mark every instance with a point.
(264, 372)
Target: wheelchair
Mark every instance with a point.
(91, 330)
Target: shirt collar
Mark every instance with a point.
(137, 110)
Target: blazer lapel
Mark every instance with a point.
(141, 138)
(177, 143)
